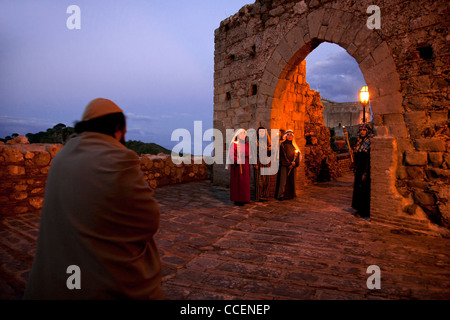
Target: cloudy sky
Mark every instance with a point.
(155, 59)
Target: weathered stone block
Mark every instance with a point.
(362, 35)
(381, 53)
(393, 119)
(438, 117)
(37, 191)
(416, 158)
(300, 7)
(20, 187)
(416, 122)
(433, 145)
(443, 203)
(16, 170)
(45, 170)
(18, 196)
(36, 202)
(438, 173)
(404, 145)
(314, 22)
(42, 159)
(390, 84)
(11, 155)
(387, 104)
(424, 198)
(401, 173)
(415, 172)
(446, 159)
(29, 155)
(419, 102)
(398, 130)
(53, 149)
(418, 184)
(436, 158)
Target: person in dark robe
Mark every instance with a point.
(361, 187)
(263, 152)
(239, 165)
(289, 160)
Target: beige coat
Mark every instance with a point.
(98, 214)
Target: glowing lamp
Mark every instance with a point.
(364, 99)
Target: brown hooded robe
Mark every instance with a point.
(98, 214)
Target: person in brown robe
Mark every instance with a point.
(99, 215)
(263, 149)
(239, 165)
(289, 161)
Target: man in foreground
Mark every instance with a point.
(99, 216)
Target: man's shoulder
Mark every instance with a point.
(101, 145)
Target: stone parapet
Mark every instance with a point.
(24, 169)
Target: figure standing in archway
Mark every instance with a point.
(361, 187)
(263, 149)
(239, 156)
(289, 160)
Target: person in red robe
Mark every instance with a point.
(239, 159)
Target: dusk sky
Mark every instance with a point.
(155, 59)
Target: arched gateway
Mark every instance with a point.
(259, 79)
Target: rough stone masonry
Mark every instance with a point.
(259, 54)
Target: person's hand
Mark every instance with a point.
(255, 166)
(293, 163)
(364, 177)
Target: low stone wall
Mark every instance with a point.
(160, 170)
(23, 173)
(24, 169)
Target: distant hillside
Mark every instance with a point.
(60, 133)
(148, 148)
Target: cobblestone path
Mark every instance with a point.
(308, 248)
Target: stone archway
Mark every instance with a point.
(258, 53)
(378, 68)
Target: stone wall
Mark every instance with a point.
(320, 160)
(24, 169)
(338, 114)
(23, 174)
(405, 64)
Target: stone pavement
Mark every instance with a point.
(308, 248)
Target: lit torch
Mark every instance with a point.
(295, 157)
